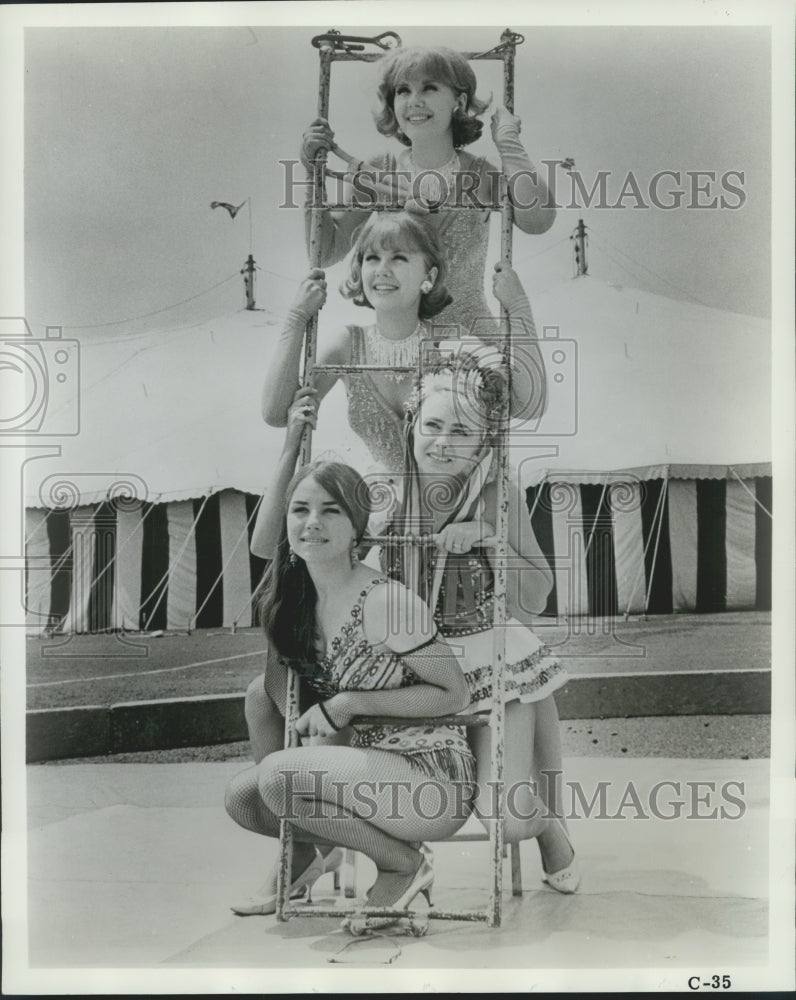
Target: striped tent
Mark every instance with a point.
(143, 519)
(648, 479)
(685, 390)
(138, 565)
(678, 542)
(624, 545)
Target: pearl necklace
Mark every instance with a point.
(404, 353)
(427, 182)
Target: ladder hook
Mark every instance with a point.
(356, 43)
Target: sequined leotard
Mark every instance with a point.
(351, 663)
(464, 236)
(370, 416)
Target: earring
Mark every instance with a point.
(353, 554)
(292, 558)
(426, 287)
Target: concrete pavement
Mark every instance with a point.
(134, 866)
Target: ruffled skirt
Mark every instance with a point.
(531, 672)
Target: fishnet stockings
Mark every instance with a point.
(372, 801)
(265, 722)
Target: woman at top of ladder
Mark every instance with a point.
(398, 269)
(429, 103)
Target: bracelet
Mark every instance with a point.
(328, 718)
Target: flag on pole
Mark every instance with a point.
(232, 209)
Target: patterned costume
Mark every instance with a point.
(351, 663)
(463, 614)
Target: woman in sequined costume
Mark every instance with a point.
(429, 103)
(450, 498)
(398, 269)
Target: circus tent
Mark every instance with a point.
(648, 478)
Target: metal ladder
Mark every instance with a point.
(336, 47)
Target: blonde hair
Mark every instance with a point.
(478, 387)
(442, 65)
(398, 231)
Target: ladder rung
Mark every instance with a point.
(464, 838)
(335, 56)
(495, 53)
(372, 911)
(419, 540)
(345, 369)
(386, 206)
(472, 721)
(355, 56)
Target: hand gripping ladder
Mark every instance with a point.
(336, 47)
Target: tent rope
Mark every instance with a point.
(538, 497)
(658, 509)
(121, 547)
(57, 564)
(29, 538)
(594, 529)
(156, 312)
(174, 562)
(66, 556)
(596, 517)
(249, 598)
(57, 567)
(752, 495)
(220, 577)
(664, 492)
(78, 609)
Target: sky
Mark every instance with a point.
(131, 133)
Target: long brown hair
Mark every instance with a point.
(288, 595)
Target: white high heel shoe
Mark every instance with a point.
(300, 887)
(567, 879)
(423, 882)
